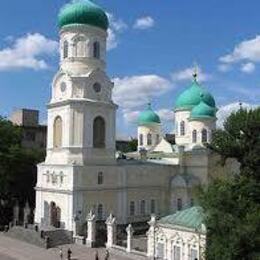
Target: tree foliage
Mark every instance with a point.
(233, 206)
(17, 169)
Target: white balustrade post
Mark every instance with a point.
(91, 238)
(111, 231)
(151, 238)
(16, 213)
(129, 231)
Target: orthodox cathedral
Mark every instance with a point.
(81, 173)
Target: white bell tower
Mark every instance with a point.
(81, 119)
(81, 100)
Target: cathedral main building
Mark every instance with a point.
(80, 172)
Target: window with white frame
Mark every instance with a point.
(160, 250)
(100, 212)
(100, 178)
(65, 49)
(179, 204)
(149, 139)
(204, 136)
(142, 207)
(132, 208)
(176, 252)
(141, 139)
(182, 126)
(193, 254)
(153, 206)
(194, 136)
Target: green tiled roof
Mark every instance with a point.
(202, 110)
(189, 218)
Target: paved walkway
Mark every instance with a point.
(12, 249)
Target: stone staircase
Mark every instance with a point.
(27, 235)
(58, 237)
(43, 238)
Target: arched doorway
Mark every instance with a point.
(55, 214)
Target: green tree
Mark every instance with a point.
(17, 169)
(233, 206)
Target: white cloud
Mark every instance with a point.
(166, 115)
(144, 23)
(247, 51)
(117, 26)
(224, 111)
(224, 67)
(135, 91)
(27, 53)
(248, 67)
(186, 74)
(131, 116)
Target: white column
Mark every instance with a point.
(111, 231)
(129, 231)
(91, 238)
(151, 238)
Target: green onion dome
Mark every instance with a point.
(148, 116)
(83, 12)
(192, 97)
(203, 111)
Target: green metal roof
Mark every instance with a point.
(148, 116)
(202, 110)
(83, 12)
(192, 97)
(189, 218)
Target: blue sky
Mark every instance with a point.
(154, 47)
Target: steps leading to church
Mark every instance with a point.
(27, 235)
(44, 239)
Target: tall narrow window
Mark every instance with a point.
(99, 132)
(152, 206)
(176, 128)
(204, 136)
(96, 50)
(179, 204)
(65, 49)
(193, 254)
(132, 208)
(157, 139)
(149, 139)
(142, 207)
(141, 139)
(182, 126)
(100, 178)
(80, 45)
(177, 253)
(100, 212)
(57, 132)
(194, 136)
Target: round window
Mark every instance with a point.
(97, 87)
(63, 87)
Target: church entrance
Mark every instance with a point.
(55, 215)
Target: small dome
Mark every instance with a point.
(83, 12)
(203, 110)
(148, 116)
(192, 97)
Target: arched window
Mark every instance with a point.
(65, 49)
(99, 132)
(179, 204)
(97, 87)
(141, 139)
(142, 207)
(149, 139)
(100, 178)
(57, 132)
(182, 126)
(157, 139)
(132, 208)
(96, 50)
(100, 212)
(152, 206)
(194, 136)
(204, 136)
(80, 45)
